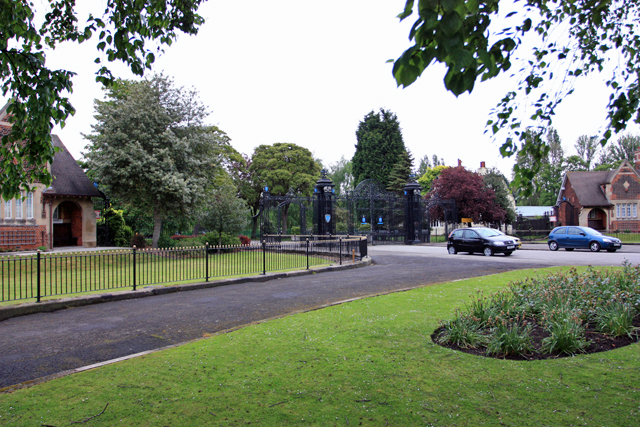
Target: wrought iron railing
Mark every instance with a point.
(43, 275)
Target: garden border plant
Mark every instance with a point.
(558, 315)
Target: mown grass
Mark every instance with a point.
(370, 362)
(87, 273)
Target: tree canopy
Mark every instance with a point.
(223, 211)
(378, 148)
(151, 148)
(428, 176)
(478, 39)
(285, 168)
(128, 31)
(401, 172)
(473, 198)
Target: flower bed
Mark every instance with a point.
(554, 316)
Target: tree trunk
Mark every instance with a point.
(157, 226)
(254, 228)
(285, 212)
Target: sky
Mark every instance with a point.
(308, 72)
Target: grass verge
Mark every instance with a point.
(370, 362)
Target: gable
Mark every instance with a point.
(625, 184)
(68, 178)
(589, 187)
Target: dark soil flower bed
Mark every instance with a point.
(598, 342)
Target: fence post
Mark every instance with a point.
(264, 257)
(307, 253)
(206, 261)
(38, 268)
(134, 267)
(340, 243)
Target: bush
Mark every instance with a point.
(138, 241)
(295, 230)
(244, 240)
(212, 238)
(165, 241)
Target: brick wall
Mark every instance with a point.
(22, 237)
(625, 225)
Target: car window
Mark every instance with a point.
(561, 230)
(488, 232)
(457, 234)
(591, 231)
(574, 231)
(470, 234)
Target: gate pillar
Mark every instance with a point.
(412, 213)
(324, 193)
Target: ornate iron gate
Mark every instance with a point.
(369, 209)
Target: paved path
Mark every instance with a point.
(43, 344)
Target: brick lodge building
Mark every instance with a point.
(604, 200)
(60, 215)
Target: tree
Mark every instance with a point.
(473, 199)
(623, 149)
(37, 93)
(341, 173)
(379, 146)
(426, 180)
(547, 181)
(285, 168)
(249, 189)
(587, 147)
(223, 212)
(577, 37)
(401, 172)
(497, 182)
(425, 164)
(150, 147)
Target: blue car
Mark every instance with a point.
(573, 237)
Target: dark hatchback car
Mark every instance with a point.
(573, 237)
(480, 239)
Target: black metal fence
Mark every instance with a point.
(43, 275)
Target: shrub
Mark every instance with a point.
(566, 331)
(212, 238)
(295, 229)
(42, 248)
(462, 331)
(138, 241)
(510, 337)
(244, 240)
(119, 233)
(165, 241)
(616, 318)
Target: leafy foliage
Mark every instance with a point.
(496, 181)
(401, 172)
(379, 147)
(473, 199)
(462, 35)
(150, 147)
(429, 175)
(124, 32)
(224, 212)
(341, 173)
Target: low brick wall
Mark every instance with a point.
(22, 237)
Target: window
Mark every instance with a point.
(7, 209)
(29, 205)
(19, 208)
(575, 231)
(627, 210)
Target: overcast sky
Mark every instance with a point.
(308, 72)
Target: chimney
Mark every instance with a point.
(636, 158)
(460, 162)
(482, 165)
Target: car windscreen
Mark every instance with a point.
(487, 232)
(591, 231)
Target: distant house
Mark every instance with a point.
(60, 215)
(604, 200)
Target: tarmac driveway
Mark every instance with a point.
(43, 344)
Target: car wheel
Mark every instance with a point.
(553, 246)
(470, 253)
(452, 250)
(611, 250)
(594, 246)
(508, 253)
(488, 251)
(569, 249)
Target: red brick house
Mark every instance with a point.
(604, 200)
(60, 215)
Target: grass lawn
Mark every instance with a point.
(369, 362)
(101, 272)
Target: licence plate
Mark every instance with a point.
(616, 244)
(510, 247)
